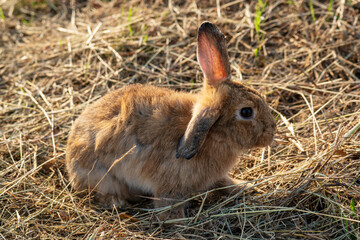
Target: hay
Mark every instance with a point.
(58, 57)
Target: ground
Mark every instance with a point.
(56, 57)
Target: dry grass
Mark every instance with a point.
(57, 57)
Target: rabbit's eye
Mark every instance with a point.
(246, 112)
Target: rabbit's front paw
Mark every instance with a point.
(175, 212)
(229, 186)
(110, 200)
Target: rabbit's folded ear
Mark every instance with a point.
(212, 54)
(196, 132)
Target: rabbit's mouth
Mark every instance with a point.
(266, 139)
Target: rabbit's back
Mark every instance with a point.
(149, 117)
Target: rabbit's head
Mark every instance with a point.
(235, 113)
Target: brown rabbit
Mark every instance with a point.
(184, 143)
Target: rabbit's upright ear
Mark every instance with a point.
(212, 54)
(196, 132)
(214, 62)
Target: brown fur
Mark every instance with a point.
(164, 124)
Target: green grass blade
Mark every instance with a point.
(129, 21)
(312, 10)
(330, 6)
(2, 16)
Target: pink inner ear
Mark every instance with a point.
(213, 59)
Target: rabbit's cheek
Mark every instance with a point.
(245, 135)
(258, 129)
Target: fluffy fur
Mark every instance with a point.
(184, 143)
